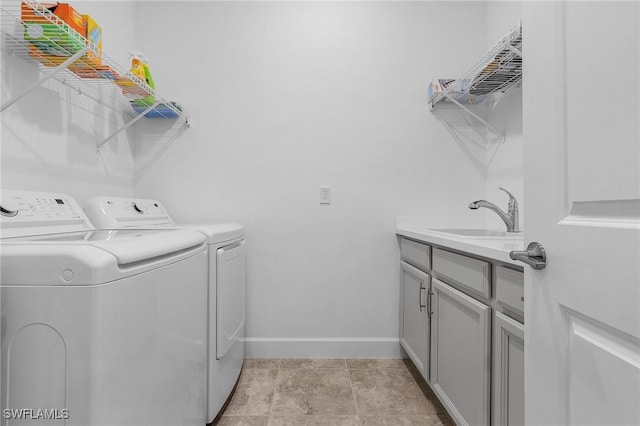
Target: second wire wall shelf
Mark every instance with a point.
(486, 82)
(47, 35)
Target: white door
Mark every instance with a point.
(581, 108)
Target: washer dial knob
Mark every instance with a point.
(8, 209)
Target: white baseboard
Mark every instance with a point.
(344, 347)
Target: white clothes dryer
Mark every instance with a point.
(227, 285)
(98, 327)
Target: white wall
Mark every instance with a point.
(49, 136)
(287, 97)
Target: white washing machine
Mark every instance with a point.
(227, 285)
(98, 327)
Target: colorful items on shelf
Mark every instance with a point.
(94, 38)
(103, 71)
(69, 15)
(130, 87)
(456, 89)
(161, 110)
(57, 31)
(140, 69)
(52, 42)
(437, 86)
(137, 70)
(503, 71)
(63, 11)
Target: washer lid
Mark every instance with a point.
(95, 257)
(126, 245)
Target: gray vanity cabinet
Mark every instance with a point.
(508, 371)
(461, 323)
(461, 354)
(508, 349)
(414, 321)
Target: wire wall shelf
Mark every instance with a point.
(30, 31)
(486, 82)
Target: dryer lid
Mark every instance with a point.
(142, 245)
(217, 232)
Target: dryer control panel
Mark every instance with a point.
(29, 209)
(117, 212)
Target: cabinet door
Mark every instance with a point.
(414, 326)
(460, 354)
(508, 371)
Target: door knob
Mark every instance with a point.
(534, 255)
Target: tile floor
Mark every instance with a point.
(332, 392)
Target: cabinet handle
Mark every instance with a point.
(429, 302)
(420, 296)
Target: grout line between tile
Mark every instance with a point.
(353, 394)
(275, 385)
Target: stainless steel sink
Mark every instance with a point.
(480, 233)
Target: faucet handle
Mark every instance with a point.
(512, 211)
(513, 203)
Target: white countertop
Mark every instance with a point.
(492, 248)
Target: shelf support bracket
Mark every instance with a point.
(46, 77)
(476, 116)
(514, 50)
(136, 118)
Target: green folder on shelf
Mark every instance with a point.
(53, 39)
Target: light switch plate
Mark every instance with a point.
(325, 195)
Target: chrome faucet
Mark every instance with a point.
(510, 218)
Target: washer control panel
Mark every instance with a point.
(39, 205)
(117, 212)
(21, 209)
